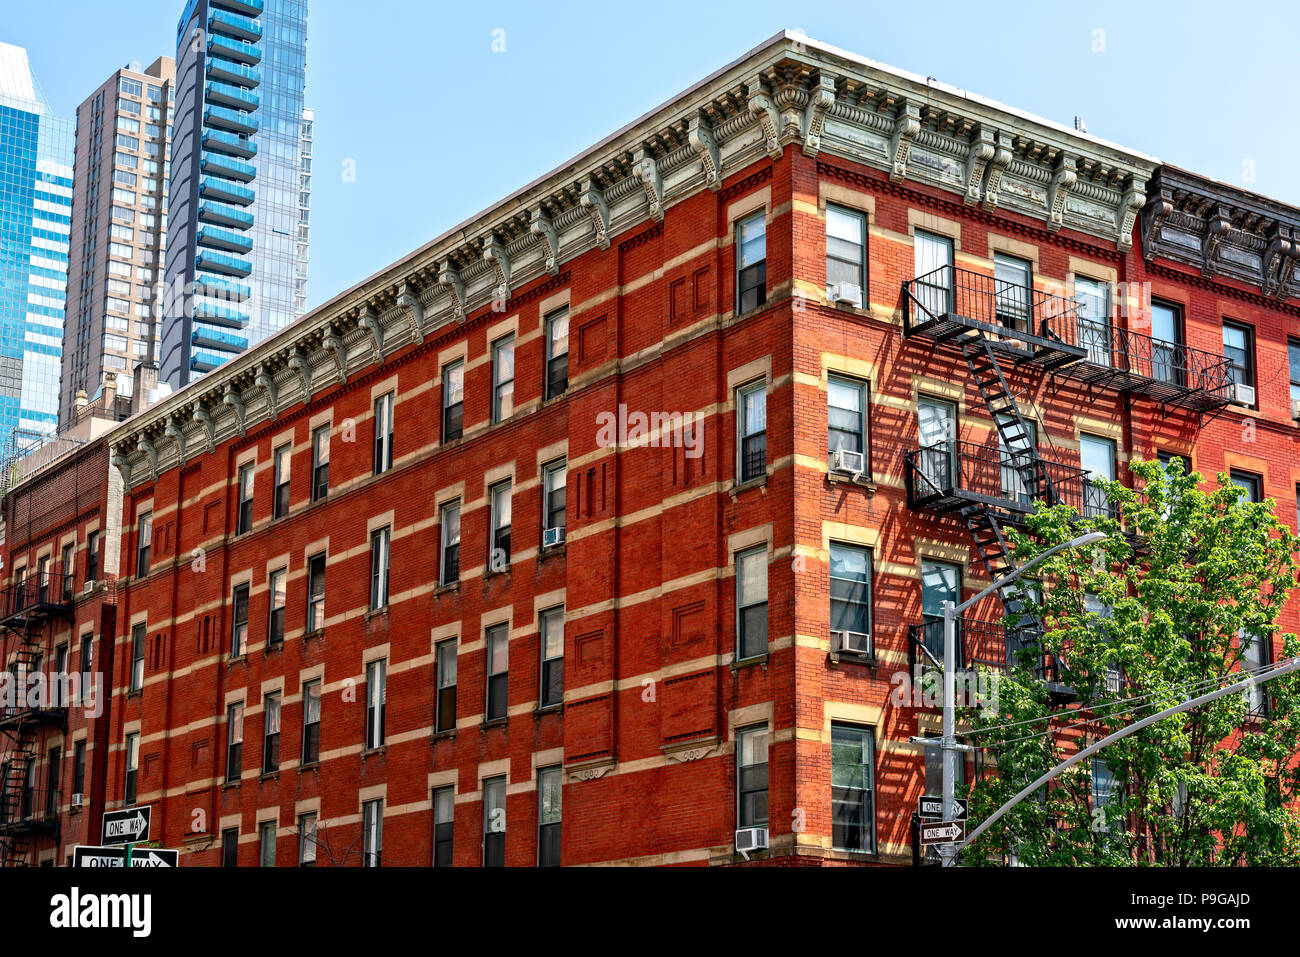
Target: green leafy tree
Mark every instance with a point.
(1151, 616)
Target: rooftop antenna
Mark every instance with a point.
(1079, 125)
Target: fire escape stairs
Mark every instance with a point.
(16, 841)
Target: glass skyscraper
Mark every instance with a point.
(237, 241)
(36, 157)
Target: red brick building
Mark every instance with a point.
(600, 528)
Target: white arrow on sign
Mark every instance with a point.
(132, 826)
(945, 832)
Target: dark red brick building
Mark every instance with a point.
(600, 528)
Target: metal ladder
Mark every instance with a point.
(13, 783)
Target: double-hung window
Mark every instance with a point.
(137, 656)
(307, 840)
(315, 593)
(380, 540)
(278, 589)
(751, 602)
(92, 557)
(846, 423)
(1013, 286)
(239, 622)
(234, 741)
(372, 817)
(751, 777)
(498, 671)
(494, 822)
(320, 463)
(850, 588)
(751, 417)
(555, 478)
(1097, 457)
(552, 640)
(65, 566)
(453, 401)
(445, 717)
(245, 522)
(280, 504)
(846, 232)
(444, 825)
(271, 732)
(383, 433)
(503, 378)
(499, 547)
(751, 262)
(376, 700)
(1239, 350)
(144, 544)
(549, 781)
(449, 566)
(1092, 299)
(311, 721)
(557, 352)
(132, 767)
(853, 813)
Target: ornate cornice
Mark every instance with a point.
(789, 92)
(1222, 231)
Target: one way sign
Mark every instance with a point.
(942, 832)
(130, 825)
(83, 856)
(929, 806)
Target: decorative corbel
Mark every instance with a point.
(700, 137)
(146, 446)
(997, 166)
(204, 418)
(647, 170)
(907, 123)
(409, 298)
(495, 255)
(1152, 223)
(544, 230)
(449, 277)
(339, 352)
(371, 324)
(298, 362)
(820, 100)
(122, 464)
(983, 147)
(1276, 255)
(266, 382)
(1135, 196)
(232, 399)
(174, 432)
(1064, 176)
(593, 201)
(760, 104)
(1215, 230)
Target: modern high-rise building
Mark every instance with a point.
(36, 150)
(237, 241)
(119, 236)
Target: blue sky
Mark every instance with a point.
(438, 126)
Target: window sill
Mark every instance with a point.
(495, 723)
(232, 660)
(750, 662)
(450, 588)
(269, 776)
(272, 647)
(863, 482)
(748, 485)
(447, 734)
(550, 551)
(373, 752)
(498, 571)
(227, 785)
(318, 633)
(135, 693)
(381, 612)
(73, 810)
(544, 710)
(836, 658)
(308, 766)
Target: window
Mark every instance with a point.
(144, 544)
(751, 776)
(1249, 482)
(1105, 791)
(54, 780)
(850, 581)
(751, 414)
(79, 767)
(1293, 355)
(940, 582)
(307, 840)
(128, 86)
(453, 401)
(234, 741)
(450, 564)
(751, 602)
(494, 822)
(266, 844)
(87, 666)
(372, 817)
(846, 420)
(65, 567)
(59, 678)
(280, 504)
(137, 655)
(376, 699)
(932, 265)
(1167, 357)
(271, 733)
(1239, 350)
(498, 662)
(1013, 291)
(445, 719)
(551, 627)
(132, 767)
(316, 593)
(1092, 299)
(230, 847)
(846, 238)
(1097, 458)
(311, 721)
(751, 262)
(937, 435)
(853, 814)
(555, 479)
(1254, 658)
(557, 353)
(277, 588)
(549, 782)
(384, 433)
(239, 622)
(444, 825)
(379, 546)
(499, 547)
(1093, 605)
(503, 378)
(245, 499)
(320, 463)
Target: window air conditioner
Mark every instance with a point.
(842, 460)
(1242, 394)
(849, 292)
(76, 800)
(90, 585)
(750, 839)
(1295, 408)
(552, 537)
(851, 642)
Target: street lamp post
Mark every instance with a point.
(948, 743)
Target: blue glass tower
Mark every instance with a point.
(36, 157)
(236, 255)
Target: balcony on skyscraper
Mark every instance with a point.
(215, 238)
(224, 192)
(219, 313)
(221, 263)
(225, 166)
(224, 94)
(232, 120)
(221, 215)
(250, 8)
(228, 71)
(229, 143)
(234, 49)
(214, 339)
(219, 288)
(222, 23)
